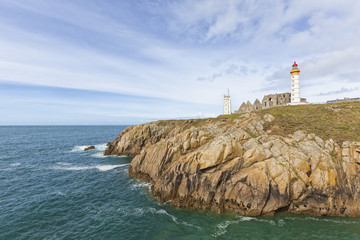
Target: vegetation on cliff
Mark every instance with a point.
(338, 121)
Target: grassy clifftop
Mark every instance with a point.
(339, 121)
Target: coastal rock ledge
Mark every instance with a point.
(225, 164)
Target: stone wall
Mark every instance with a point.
(344, 100)
(271, 100)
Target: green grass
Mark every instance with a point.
(339, 121)
(230, 116)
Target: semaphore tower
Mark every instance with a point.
(227, 104)
(295, 85)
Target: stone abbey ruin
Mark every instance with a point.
(268, 101)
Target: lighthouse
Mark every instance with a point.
(295, 85)
(227, 104)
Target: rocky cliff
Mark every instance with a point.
(226, 164)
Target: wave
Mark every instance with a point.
(173, 218)
(101, 147)
(108, 156)
(15, 164)
(164, 212)
(98, 147)
(322, 219)
(98, 155)
(122, 171)
(222, 227)
(109, 167)
(281, 223)
(101, 168)
(79, 148)
(142, 184)
(74, 168)
(60, 193)
(63, 163)
(140, 212)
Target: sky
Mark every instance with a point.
(70, 62)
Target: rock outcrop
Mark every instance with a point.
(235, 165)
(89, 148)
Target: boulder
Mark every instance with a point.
(89, 148)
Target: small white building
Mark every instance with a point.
(227, 104)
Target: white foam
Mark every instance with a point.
(191, 225)
(330, 220)
(101, 147)
(340, 221)
(245, 219)
(123, 170)
(15, 164)
(98, 155)
(109, 167)
(80, 168)
(115, 156)
(60, 193)
(143, 185)
(63, 163)
(281, 223)
(79, 148)
(173, 218)
(139, 212)
(223, 226)
(163, 211)
(272, 222)
(74, 168)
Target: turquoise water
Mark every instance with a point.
(51, 189)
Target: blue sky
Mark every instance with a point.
(128, 62)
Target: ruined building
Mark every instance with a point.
(343, 100)
(268, 101)
(273, 100)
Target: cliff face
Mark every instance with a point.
(235, 165)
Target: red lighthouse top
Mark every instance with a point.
(295, 70)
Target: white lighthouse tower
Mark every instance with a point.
(295, 85)
(227, 104)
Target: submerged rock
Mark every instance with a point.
(89, 148)
(234, 165)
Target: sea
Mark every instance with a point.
(50, 188)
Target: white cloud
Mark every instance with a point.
(247, 46)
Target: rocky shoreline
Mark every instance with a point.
(226, 164)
